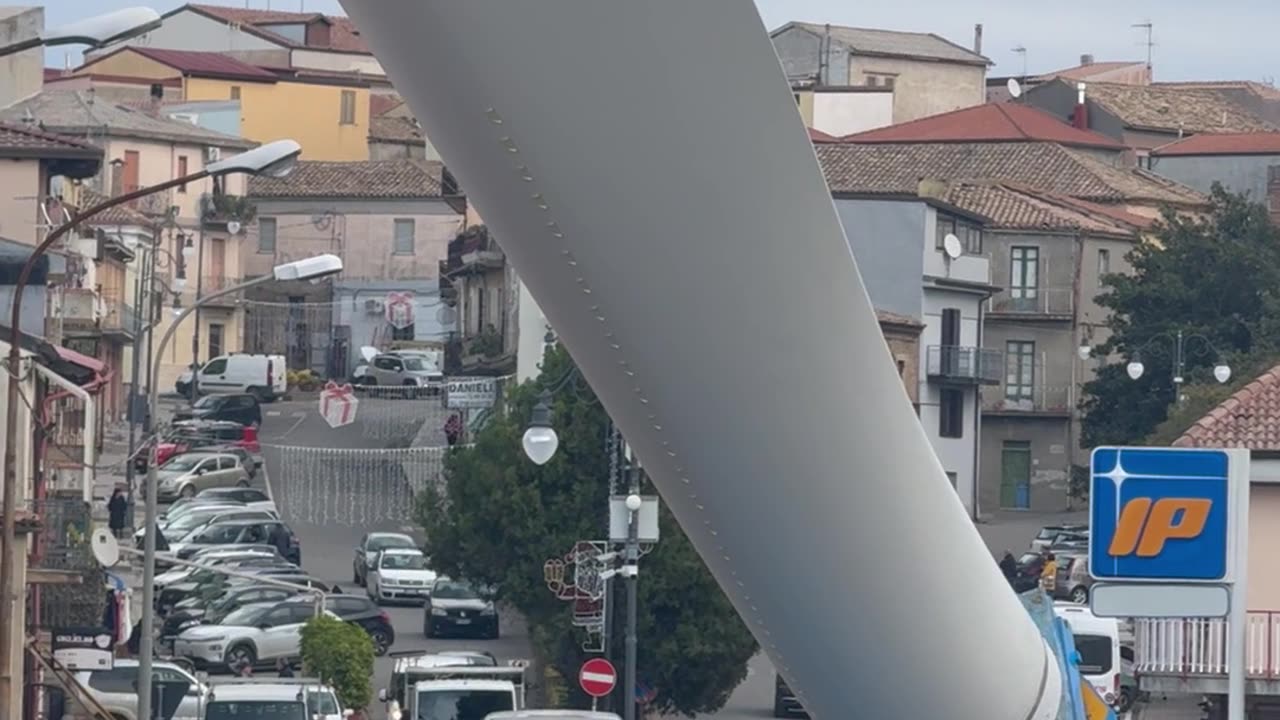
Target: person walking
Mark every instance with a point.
(1009, 566)
(116, 509)
(284, 668)
(1049, 574)
(453, 429)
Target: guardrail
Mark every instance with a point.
(1198, 646)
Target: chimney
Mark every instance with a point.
(977, 38)
(1080, 116)
(933, 188)
(157, 98)
(1086, 59)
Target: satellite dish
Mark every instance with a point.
(105, 548)
(951, 246)
(368, 353)
(1015, 88)
(233, 227)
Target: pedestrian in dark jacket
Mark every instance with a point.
(1009, 566)
(116, 509)
(453, 429)
(284, 668)
(280, 538)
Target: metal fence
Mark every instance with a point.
(64, 545)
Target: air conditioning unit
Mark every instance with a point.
(374, 307)
(212, 154)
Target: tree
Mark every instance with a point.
(1216, 276)
(340, 654)
(498, 517)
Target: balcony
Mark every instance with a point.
(117, 319)
(959, 365)
(80, 310)
(1190, 654)
(1042, 399)
(1047, 303)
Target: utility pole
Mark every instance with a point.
(631, 571)
(195, 331)
(140, 295)
(1179, 366)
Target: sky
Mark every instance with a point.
(1194, 40)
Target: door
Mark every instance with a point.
(1015, 475)
(213, 376)
(206, 474)
(179, 693)
(950, 341)
(274, 640)
(131, 171)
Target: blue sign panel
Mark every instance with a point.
(1159, 514)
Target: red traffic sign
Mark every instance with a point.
(597, 677)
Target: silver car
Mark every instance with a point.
(189, 473)
(117, 689)
(403, 370)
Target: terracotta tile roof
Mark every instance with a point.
(381, 104)
(892, 43)
(1248, 419)
(1258, 143)
(992, 122)
(1010, 207)
(820, 137)
(897, 168)
(372, 179)
(343, 34)
(887, 318)
(395, 130)
(1160, 107)
(1261, 89)
(118, 216)
(1084, 72)
(19, 140)
(190, 62)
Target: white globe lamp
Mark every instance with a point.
(633, 503)
(540, 440)
(1222, 373)
(1135, 369)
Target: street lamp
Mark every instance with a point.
(312, 268)
(1135, 368)
(271, 159)
(540, 440)
(96, 32)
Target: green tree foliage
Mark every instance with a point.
(340, 654)
(1217, 277)
(498, 517)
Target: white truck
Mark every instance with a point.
(423, 689)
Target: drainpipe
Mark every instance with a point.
(977, 419)
(90, 422)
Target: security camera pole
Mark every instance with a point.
(312, 268)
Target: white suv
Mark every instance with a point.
(257, 635)
(117, 689)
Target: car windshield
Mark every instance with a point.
(1095, 654)
(417, 364)
(182, 463)
(1048, 533)
(454, 591)
(247, 615)
(191, 520)
(404, 561)
(207, 401)
(323, 702)
(462, 704)
(255, 710)
(385, 542)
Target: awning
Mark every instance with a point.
(80, 359)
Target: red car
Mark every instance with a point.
(193, 434)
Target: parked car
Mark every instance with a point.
(458, 607)
(252, 498)
(400, 574)
(283, 698)
(237, 532)
(182, 506)
(190, 612)
(189, 473)
(368, 549)
(117, 689)
(411, 371)
(204, 585)
(239, 408)
(360, 611)
(175, 527)
(1049, 533)
(255, 635)
(232, 559)
(189, 435)
(263, 376)
(1073, 581)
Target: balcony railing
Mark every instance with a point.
(117, 317)
(1033, 301)
(965, 365)
(1198, 646)
(1038, 398)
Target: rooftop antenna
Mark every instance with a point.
(1150, 43)
(1022, 50)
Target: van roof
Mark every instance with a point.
(263, 691)
(551, 715)
(459, 684)
(1082, 620)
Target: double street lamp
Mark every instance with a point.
(1135, 368)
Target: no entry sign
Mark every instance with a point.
(597, 677)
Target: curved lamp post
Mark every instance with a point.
(274, 159)
(96, 32)
(1135, 368)
(312, 268)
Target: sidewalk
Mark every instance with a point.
(111, 470)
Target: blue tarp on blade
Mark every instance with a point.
(1055, 632)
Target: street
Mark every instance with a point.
(316, 499)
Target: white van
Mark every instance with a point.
(263, 376)
(1098, 644)
(269, 698)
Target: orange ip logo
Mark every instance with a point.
(1145, 525)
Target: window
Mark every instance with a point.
(216, 367)
(131, 170)
(404, 237)
(348, 110)
(1024, 277)
(267, 235)
(953, 478)
(969, 234)
(880, 80)
(235, 92)
(1020, 370)
(215, 339)
(902, 368)
(872, 80)
(1104, 262)
(1095, 653)
(951, 413)
(182, 172)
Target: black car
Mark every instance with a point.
(209, 584)
(234, 494)
(242, 532)
(191, 611)
(456, 607)
(360, 610)
(785, 703)
(241, 408)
